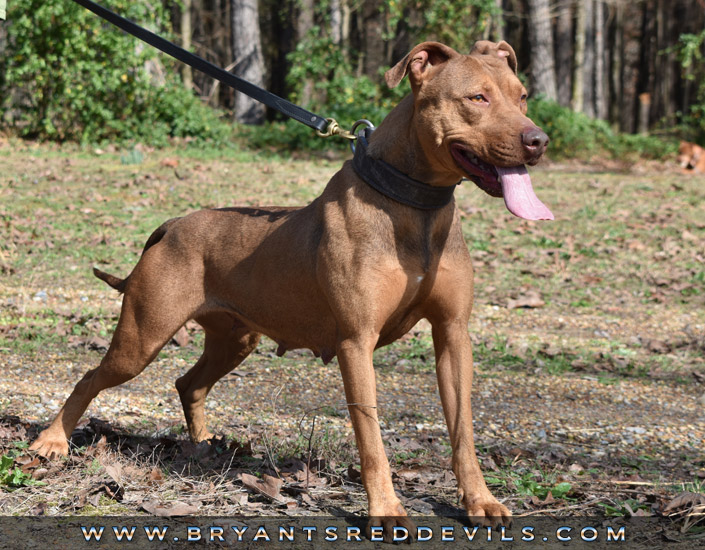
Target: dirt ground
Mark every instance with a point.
(589, 337)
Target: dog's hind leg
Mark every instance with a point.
(227, 345)
(153, 309)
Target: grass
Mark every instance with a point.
(620, 272)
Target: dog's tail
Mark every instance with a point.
(115, 282)
(120, 284)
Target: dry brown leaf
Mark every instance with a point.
(96, 343)
(536, 501)
(114, 491)
(27, 463)
(39, 473)
(170, 162)
(268, 486)
(176, 508)
(155, 476)
(114, 470)
(354, 474)
(531, 299)
(240, 499)
(688, 506)
(408, 474)
(181, 338)
(685, 500)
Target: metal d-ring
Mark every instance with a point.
(361, 122)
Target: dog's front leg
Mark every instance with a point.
(385, 509)
(454, 371)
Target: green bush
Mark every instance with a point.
(337, 93)
(575, 135)
(691, 52)
(66, 75)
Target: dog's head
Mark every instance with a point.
(689, 155)
(470, 115)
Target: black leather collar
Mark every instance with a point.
(394, 184)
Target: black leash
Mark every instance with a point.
(325, 127)
(376, 173)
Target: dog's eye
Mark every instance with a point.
(479, 98)
(523, 98)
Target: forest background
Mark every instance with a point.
(603, 74)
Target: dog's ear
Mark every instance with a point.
(499, 49)
(418, 62)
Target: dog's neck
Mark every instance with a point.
(394, 184)
(408, 154)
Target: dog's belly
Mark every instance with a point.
(263, 273)
(299, 323)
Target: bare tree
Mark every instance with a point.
(373, 26)
(564, 51)
(543, 71)
(336, 22)
(617, 52)
(186, 72)
(589, 59)
(247, 53)
(632, 44)
(304, 24)
(600, 91)
(579, 57)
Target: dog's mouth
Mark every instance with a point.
(513, 184)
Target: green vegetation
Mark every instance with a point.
(691, 51)
(11, 476)
(575, 135)
(64, 76)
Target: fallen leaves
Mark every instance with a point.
(687, 506)
(172, 509)
(529, 299)
(268, 486)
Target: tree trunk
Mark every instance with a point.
(647, 61)
(497, 23)
(666, 67)
(282, 36)
(632, 44)
(346, 24)
(247, 52)
(589, 63)
(617, 49)
(186, 32)
(373, 27)
(600, 100)
(564, 51)
(336, 22)
(579, 58)
(543, 71)
(304, 24)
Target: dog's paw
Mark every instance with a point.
(203, 435)
(486, 510)
(50, 447)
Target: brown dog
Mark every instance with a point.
(691, 157)
(356, 269)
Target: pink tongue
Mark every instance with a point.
(519, 196)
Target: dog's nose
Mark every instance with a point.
(534, 141)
